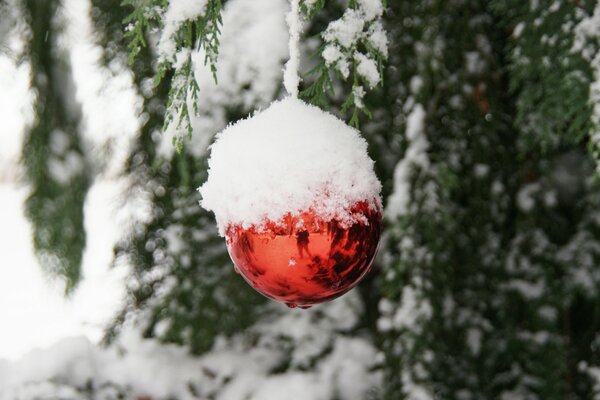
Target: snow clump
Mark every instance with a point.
(358, 27)
(288, 159)
(178, 12)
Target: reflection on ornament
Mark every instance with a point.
(304, 260)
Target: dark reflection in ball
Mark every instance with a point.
(304, 260)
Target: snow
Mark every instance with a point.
(40, 314)
(34, 311)
(416, 84)
(481, 170)
(555, 6)
(346, 30)
(411, 309)
(525, 196)
(474, 64)
(332, 53)
(77, 361)
(519, 28)
(349, 29)
(586, 33)
(343, 36)
(64, 170)
(414, 390)
(359, 93)
(377, 38)
(371, 9)
(102, 91)
(539, 338)
(15, 111)
(251, 54)
(474, 338)
(367, 68)
(415, 156)
(290, 158)
(294, 386)
(594, 374)
(236, 368)
(291, 80)
(179, 11)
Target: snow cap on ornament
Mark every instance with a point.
(287, 160)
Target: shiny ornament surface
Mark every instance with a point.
(304, 260)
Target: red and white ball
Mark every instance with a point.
(295, 194)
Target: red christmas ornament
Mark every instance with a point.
(295, 194)
(305, 260)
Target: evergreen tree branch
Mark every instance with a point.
(55, 166)
(191, 288)
(360, 57)
(200, 33)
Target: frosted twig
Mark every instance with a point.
(291, 79)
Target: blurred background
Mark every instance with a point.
(115, 285)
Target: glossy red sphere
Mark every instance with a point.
(305, 260)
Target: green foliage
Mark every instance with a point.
(311, 8)
(183, 89)
(182, 282)
(354, 100)
(201, 33)
(346, 65)
(479, 280)
(435, 273)
(145, 17)
(55, 166)
(321, 89)
(208, 29)
(549, 80)
(487, 286)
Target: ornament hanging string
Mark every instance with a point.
(291, 79)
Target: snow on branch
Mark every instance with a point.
(184, 26)
(414, 157)
(291, 80)
(178, 13)
(587, 42)
(354, 45)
